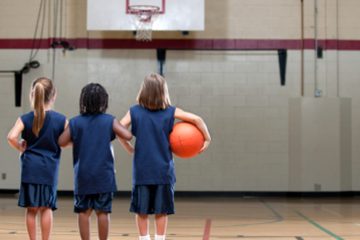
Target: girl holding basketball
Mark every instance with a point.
(151, 121)
(91, 134)
(40, 156)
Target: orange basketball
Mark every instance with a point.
(186, 140)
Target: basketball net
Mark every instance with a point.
(143, 17)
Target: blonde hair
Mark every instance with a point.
(154, 93)
(41, 93)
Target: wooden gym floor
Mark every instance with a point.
(212, 218)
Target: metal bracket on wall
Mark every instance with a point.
(282, 54)
(18, 76)
(161, 57)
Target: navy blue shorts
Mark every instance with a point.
(37, 195)
(152, 199)
(99, 202)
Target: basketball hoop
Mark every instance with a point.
(143, 18)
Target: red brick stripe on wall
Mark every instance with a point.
(189, 44)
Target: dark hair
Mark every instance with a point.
(41, 93)
(93, 99)
(153, 93)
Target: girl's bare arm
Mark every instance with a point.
(121, 131)
(65, 137)
(14, 134)
(198, 122)
(126, 122)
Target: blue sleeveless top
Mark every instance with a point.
(40, 161)
(153, 161)
(94, 171)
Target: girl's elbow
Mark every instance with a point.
(129, 137)
(62, 142)
(11, 138)
(198, 120)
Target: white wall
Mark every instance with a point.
(349, 72)
(240, 97)
(237, 93)
(320, 144)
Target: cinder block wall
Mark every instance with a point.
(238, 93)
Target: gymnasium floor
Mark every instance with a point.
(213, 218)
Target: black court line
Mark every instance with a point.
(277, 215)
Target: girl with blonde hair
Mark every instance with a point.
(35, 135)
(151, 121)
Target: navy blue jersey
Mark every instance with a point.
(153, 161)
(40, 160)
(94, 171)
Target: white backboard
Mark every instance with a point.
(176, 15)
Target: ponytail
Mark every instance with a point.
(41, 94)
(39, 108)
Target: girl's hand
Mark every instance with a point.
(22, 145)
(205, 146)
(127, 145)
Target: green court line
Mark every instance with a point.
(319, 226)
